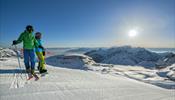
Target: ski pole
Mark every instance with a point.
(18, 58)
(16, 50)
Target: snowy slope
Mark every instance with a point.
(71, 84)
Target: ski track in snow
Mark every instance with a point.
(71, 84)
(19, 80)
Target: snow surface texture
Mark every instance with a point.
(132, 56)
(71, 84)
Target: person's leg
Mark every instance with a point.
(42, 62)
(26, 59)
(39, 64)
(32, 60)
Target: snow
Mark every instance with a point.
(83, 62)
(71, 84)
(167, 59)
(169, 72)
(133, 56)
(6, 52)
(88, 81)
(74, 61)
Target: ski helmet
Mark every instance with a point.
(37, 35)
(29, 28)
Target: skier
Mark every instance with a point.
(40, 52)
(29, 43)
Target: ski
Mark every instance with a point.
(30, 76)
(36, 76)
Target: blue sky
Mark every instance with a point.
(91, 23)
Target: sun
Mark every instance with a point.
(132, 33)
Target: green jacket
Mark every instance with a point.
(29, 41)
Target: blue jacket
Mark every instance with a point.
(39, 49)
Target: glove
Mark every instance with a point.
(41, 47)
(44, 53)
(15, 42)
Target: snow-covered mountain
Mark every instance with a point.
(74, 61)
(6, 52)
(168, 72)
(166, 59)
(127, 55)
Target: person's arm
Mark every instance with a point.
(35, 42)
(19, 40)
(21, 37)
(41, 46)
(44, 53)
